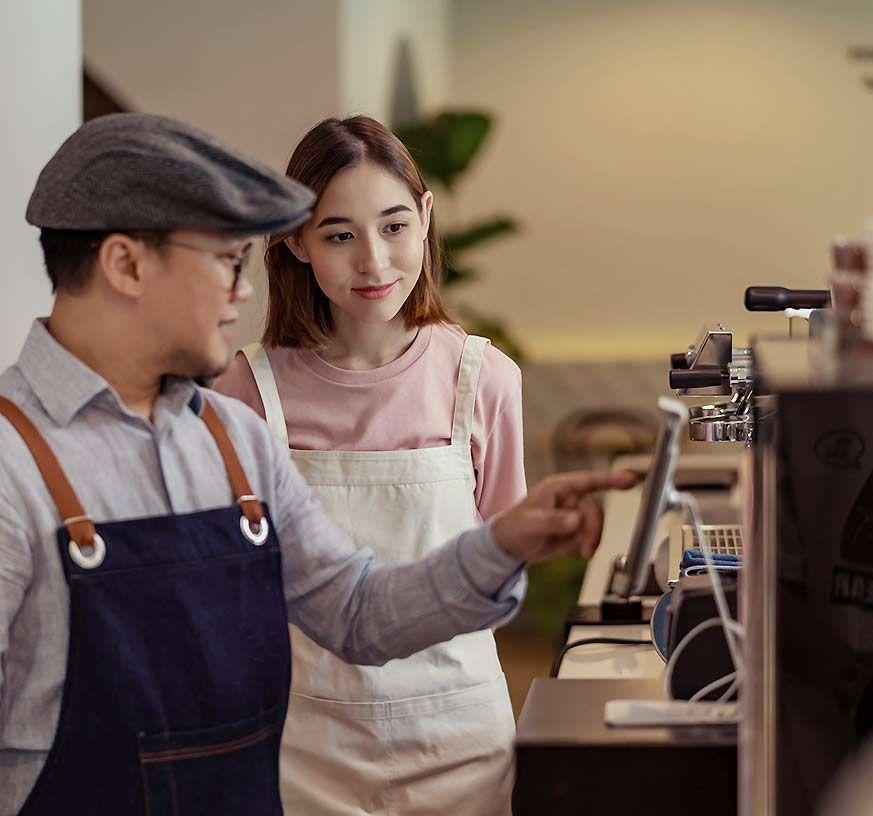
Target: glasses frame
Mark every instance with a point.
(238, 267)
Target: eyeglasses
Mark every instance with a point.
(238, 263)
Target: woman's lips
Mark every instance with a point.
(375, 292)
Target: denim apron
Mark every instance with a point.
(178, 667)
(432, 733)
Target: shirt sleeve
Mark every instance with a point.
(498, 437)
(16, 570)
(239, 382)
(371, 613)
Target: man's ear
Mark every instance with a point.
(294, 243)
(119, 261)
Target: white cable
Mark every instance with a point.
(732, 628)
(700, 569)
(729, 690)
(689, 636)
(729, 624)
(727, 679)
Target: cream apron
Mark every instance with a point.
(429, 734)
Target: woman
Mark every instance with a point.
(400, 422)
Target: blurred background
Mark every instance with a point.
(611, 174)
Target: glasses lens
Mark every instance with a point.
(239, 269)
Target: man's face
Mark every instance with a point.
(191, 302)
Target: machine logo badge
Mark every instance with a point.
(852, 587)
(840, 449)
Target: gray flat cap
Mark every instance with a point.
(131, 171)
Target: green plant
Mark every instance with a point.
(553, 590)
(444, 145)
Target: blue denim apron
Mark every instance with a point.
(179, 666)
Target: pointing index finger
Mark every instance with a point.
(589, 481)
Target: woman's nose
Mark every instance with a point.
(373, 257)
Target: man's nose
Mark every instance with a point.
(244, 289)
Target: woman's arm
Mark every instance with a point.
(498, 436)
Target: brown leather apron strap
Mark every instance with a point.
(78, 524)
(249, 503)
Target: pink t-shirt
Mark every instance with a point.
(403, 405)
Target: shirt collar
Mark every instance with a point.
(64, 384)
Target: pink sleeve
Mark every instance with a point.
(239, 382)
(498, 438)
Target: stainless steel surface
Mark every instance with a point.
(723, 539)
(757, 734)
(728, 421)
(658, 492)
(725, 421)
(725, 428)
(713, 348)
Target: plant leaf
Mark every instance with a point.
(456, 274)
(445, 144)
(456, 241)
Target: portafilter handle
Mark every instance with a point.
(778, 298)
(696, 378)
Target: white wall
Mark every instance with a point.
(257, 75)
(370, 34)
(40, 105)
(661, 156)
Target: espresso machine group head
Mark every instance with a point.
(713, 366)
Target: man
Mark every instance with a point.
(144, 585)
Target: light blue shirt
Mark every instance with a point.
(124, 467)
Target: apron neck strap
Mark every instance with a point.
(468, 385)
(256, 356)
(79, 525)
(242, 490)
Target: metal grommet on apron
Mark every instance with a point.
(432, 733)
(179, 667)
(256, 533)
(90, 560)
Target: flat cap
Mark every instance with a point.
(131, 171)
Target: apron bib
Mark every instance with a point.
(178, 666)
(433, 732)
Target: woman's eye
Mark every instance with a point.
(396, 227)
(340, 237)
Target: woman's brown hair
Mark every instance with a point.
(298, 313)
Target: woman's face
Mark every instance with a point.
(365, 243)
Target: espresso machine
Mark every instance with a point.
(807, 580)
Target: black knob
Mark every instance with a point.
(696, 378)
(777, 298)
(678, 360)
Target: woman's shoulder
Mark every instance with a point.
(499, 373)
(237, 381)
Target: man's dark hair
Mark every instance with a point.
(70, 254)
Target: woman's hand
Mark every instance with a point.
(558, 516)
